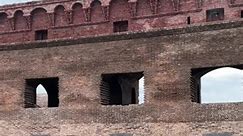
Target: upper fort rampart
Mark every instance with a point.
(55, 19)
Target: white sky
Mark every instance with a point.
(4, 2)
(141, 91)
(222, 85)
(40, 89)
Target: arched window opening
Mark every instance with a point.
(60, 16)
(122, 89)
(39, 19)
(41, 92)
(217, 85)
(119, 10)
(19, 20)
(41, 96)
(96, 11)
(3, 22)
(3, 18)
(141, 91)
(78, 14)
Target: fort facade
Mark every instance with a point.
(75, 19)
(90, 56)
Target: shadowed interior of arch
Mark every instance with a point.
(122, 88)
(43, 89)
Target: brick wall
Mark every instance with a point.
(72, 19)
(165, 56)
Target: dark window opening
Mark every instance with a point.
(217, 84)
(188, 20)
(215, 14)
(120, 26)
(241, 14)
(30, 94)
(41, 35)
(133, 96)
(3, 18)
(122, 89)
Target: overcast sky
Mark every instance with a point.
(3, 2)
(222, 85)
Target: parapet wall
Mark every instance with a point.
(166, 57)
(82, 47)
(74, 19)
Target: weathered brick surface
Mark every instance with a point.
(165, 56)
(73, 19)
(122, 129)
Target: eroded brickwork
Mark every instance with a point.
(165, 57)
(75, 19)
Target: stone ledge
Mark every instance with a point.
(122, 36)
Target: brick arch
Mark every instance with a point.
(78, 14)
(4, 26)
(41, 96)
(97, 11)
(143, 8)
(119, 10)
(51, 87)
(89, 3)
(197, 74)
(165, 6)
(20, 22)
(109, 1)
(218, 76)
(38, 9)
(40, 18)
(60, 18)
(76, 3)
(18, 12)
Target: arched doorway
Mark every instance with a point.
(217, 85)
(48, 87)
(41, 96)
(222, 85)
